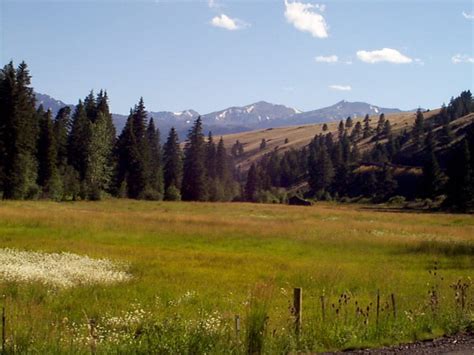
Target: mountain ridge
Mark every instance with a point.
(238, 119)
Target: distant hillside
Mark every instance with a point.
(300, 135)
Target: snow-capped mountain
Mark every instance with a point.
(240, 118)
(338, 111)
(250, 115)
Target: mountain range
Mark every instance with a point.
(241, 118)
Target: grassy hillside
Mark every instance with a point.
(300, 136)
(193, 266)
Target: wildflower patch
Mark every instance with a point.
(58, 269)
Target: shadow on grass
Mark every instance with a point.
(449, 249)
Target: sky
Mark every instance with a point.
(211, 54)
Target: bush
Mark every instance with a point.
(151, 194)
(172, 194)
(397, 200)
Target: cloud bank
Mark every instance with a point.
(388, 55)
(305, 19)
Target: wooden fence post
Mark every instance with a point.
(378, 309)
(323, 309)
(4, 325)
(298, 308)
(237, 327)
(394, 306)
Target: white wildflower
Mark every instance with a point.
(58, 269)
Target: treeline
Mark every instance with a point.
(77, 155)
(425, 161)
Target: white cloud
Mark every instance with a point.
(212, 4)
(468, 16)
(231, 24)
(331, 59)
(383, 55)
(327, 59)
(305, 19)
(462, 58)
(341, 87)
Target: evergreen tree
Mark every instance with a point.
(386, 184)
(77, 141)
(341, 129)
(433, 178)
(211, 157)
(380, 125)
(62, 125)
(325, 127)
(356, 132)
(263, 144)
(349, 122)
(251, 186)
(156, 172)
(367, 130)
(320, 169)
(133, 155)
(18, 132)
(173, 164)
(48, 177)
(387, 128)
(460, 187)
(418, 128)
(194, 175)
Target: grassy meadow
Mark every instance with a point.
(194, 266)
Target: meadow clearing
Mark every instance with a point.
(182, 271)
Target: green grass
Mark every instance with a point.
(196, 265)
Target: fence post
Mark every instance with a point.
(237, 327)
(378, 309)
(4, 324)
(323, 309)
(298, 308)
(394, 306)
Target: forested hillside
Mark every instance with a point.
(78, 155)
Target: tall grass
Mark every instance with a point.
(195, 266)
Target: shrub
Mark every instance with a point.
(172, 194)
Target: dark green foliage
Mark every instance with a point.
(433, 178)
(367, 130)
(263, 144)
(48, 177)
(252, 184)
(172, 163)
(18, 133)
(418, 129)
(77, 141)
(320, 169)
(155, 183)
(460, 187)
(194, 186)
(62, 125)
(349, 122)
(356, 133)
(380, 125)
(237, 149)
(341, 129)
(325, 127)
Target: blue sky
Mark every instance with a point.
(208, 55)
